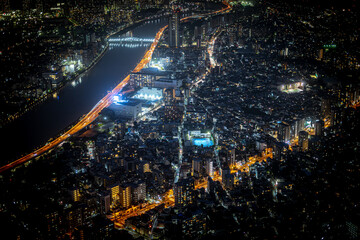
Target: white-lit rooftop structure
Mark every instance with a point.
(150, 94)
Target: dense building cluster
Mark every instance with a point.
(243, 125)
(48, 44)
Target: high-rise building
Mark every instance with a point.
(284, 132)
(174, 29)
(196, 167)
(298, 125)
(225, 171)
(146, 167)
(75, 194)
(125, 196)
(321, 54)
(74, 217)
(194, 226)
(183, 192)
(105, 201)
(210, 168)
(210, 185)
(325, 107)
(319, 127)
(114, 191)
(231, 157)
(138, 192)
(228, 180)
(303, 140)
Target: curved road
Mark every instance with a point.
(103, 103)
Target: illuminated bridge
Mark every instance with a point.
(113, 45)
(131, 39)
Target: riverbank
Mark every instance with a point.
(65, 83)
(52, 118)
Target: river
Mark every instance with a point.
(34, 128)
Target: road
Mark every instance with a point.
(168, 199)
(103, 103)
(93, 114)
(120, 216)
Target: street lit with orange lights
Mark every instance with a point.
(103, 103)
(93, 114)
(119, 217)
(203, 120)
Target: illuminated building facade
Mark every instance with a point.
(183, 192)
(138, 192)
(146, 77)
(114, 190)
(125, 196)
(210, 168)
(174, 29)
(54, 77)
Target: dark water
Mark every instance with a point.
(48, 119)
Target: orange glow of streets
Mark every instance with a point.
(103, 103)
(120, 217)
(93, 114)
(168, 200)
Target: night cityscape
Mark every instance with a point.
(180, 119)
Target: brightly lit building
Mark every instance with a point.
(160, 63)
(127, 108)
(209, 168)
(146, 77)
(201, 138)
(54, 77)
(149, 94)
(184, 192)
(75, 194)
(166, 83)
(138, 192)
(293, 87)
(114, 193)
(125, 196)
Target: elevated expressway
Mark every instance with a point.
(104, 102)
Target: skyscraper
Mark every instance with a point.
(125, 196)
(284, 132)
(303, 140)
(174, 29)
(231, 157)
(183, 192)
(196, 167)
(319, 126)
(225, 171)
(209, 168)
(104, 200)
(138, 192)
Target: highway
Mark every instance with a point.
(103, 103)
(118, 217)
(93, 114)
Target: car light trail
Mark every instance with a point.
(103, 103)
